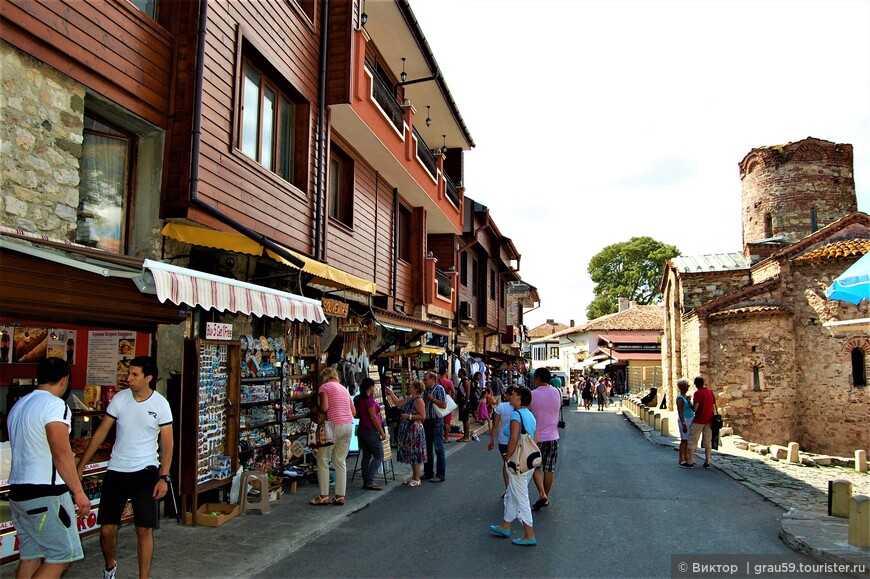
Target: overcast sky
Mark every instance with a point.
(596, 122)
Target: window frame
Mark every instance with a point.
(492, 279)
(858, 359)
(343, 213)
(128, 200)
(250, 51)
(463, 269)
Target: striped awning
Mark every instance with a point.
(180, 285)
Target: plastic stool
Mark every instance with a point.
(255, 477)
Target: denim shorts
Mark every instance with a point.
(47, 528)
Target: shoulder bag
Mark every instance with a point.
(321, 432)
(527, 455)
(448, 410)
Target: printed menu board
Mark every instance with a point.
(109, 355)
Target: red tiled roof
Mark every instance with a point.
(634, 318)
(841, 248)
(748, 310)
(545, 329)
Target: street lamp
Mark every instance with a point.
(610, 358)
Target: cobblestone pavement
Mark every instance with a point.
(801, 491)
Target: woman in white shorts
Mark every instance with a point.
(685, 414)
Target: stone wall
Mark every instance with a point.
(700, 288)
(834, 415)
(738, 345)
(41, 136)
(787, 182)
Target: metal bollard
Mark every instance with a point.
(839, 495)
(666, 431)
(859, 522)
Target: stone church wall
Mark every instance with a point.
(765, 411)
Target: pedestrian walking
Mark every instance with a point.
(412, 438)
(370, 433)
(601, 390)
(685, 414)
(334, 401)
(138, 468)
(546, 405)
(45, 491)
(705, 402)
(450, 389)
(516, 498)
(463, 394)
(433, 427)
(500, 432)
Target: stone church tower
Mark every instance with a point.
(790, 191)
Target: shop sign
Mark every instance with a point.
(349, 328)
(216, 331)
(334, 308)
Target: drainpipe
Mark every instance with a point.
(196, 137)
(395, 241)
(319, 220)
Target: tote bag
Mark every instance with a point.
(446, 411)
(321, 433)
(527, 455)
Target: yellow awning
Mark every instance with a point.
(239, 243)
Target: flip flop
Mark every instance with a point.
(318, 500)
(540, 503)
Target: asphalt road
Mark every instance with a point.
(620, 507)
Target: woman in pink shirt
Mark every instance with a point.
(334, 400)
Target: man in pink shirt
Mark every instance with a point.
(546, 404)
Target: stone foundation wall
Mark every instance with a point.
(41, 136)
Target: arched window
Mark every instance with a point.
(859, 368)
(756, 379)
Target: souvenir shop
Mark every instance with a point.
(239, 382)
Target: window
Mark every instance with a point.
(273, 121)
(492, 285)
(475, 278)
(307, 7)
(501, 294)
(859, 368)
(814, 220)
(554, 351)
(149, 7)
(340, 186)
(104, 188)
(756, 379)
(768, 225)
(463, 269)
(404, 233)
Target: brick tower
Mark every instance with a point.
(791, 190)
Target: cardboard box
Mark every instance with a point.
(223, 512)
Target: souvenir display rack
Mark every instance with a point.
(210, 408)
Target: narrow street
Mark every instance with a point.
(620, 507)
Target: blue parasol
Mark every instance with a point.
(853, 285)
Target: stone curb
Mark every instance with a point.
(816, 535)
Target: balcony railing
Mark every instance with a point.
(451, 189)
(445, 288)
(425, 155)
(385, 98)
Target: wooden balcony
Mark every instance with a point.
(382, 129)
(440, 293)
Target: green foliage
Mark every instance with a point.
(629, 269)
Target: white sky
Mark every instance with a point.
(598, 121)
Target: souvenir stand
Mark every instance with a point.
(248, 402)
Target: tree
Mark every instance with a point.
(629, 269)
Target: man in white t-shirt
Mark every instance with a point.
(43, 476)
(546, 404)
(136, 472)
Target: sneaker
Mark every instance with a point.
(475, 438)
(110, 573)
(436, 479)
(686, 465)
(706, 465)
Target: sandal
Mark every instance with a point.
(318, 500)
(411, 483)
(373, 487)
(338, 501)
(540, 503)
